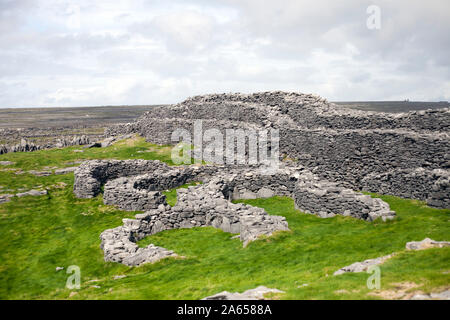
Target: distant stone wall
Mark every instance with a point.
(27, 146)
(336, 143)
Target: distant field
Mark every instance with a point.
(69, 117)
(105, 116)
(393, 106)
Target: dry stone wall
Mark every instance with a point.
(208, 204)
(336, 143)
(203, 205)
(413, 183)
(327, 199)
(90, 176)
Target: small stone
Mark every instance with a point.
(426, 244)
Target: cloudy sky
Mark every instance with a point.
(83, 53)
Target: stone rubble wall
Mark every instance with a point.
(142, 192)
(306, 110)
(134, 191)
(122, 192)
(419, 183)
(351, 155)
(91, 175)
(202, 205)
(327, 199)
(208, 204)
(336, 143)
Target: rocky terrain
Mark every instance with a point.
(31, 129)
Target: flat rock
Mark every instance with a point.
(444, 295)
(252, 294)
(426, 244)
(33, 193)
(363, 266)
(5, 198)
(65, 170)
(40, 173)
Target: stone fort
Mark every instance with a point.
(328, 154)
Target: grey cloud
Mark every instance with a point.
(190, 47)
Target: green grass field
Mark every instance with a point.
(39, 234)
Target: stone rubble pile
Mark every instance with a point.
(5, 198)
(33, 193)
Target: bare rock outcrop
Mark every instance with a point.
(363, 266)
(426, 243)
(257, 293)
